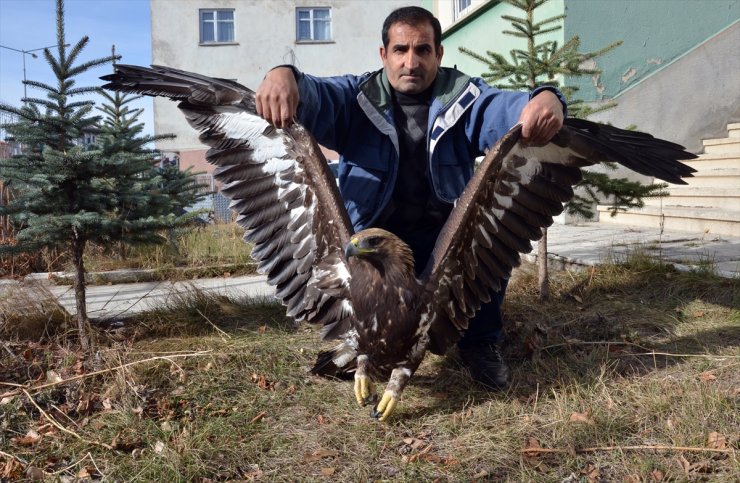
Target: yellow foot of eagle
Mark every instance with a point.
(385, 407)
(364, 390)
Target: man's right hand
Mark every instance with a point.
(277, 97)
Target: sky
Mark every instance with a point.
(31, 24)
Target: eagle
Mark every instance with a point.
(362, 287)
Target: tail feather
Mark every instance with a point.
(326, 366)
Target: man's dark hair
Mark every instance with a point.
(413, 16)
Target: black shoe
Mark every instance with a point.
(486, 365)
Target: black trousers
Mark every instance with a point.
(487, 325)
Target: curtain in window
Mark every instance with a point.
(304, 25)
(322, 24)
(225, 25)
(207, 27)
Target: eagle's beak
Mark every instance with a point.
(351, 250)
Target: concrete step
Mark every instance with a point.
(722, 146)
(716, 178)
(711, 161)
(721, 198)
(696, 220)
(734, 130)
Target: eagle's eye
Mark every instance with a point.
(373, 241)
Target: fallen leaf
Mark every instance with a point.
(262, 329)
(159, 447)
(12, 470)
(656, 475)
(698, 314)
(716, 440)
(208, 367)
(53, 376)
(320, 454)
(581, 418)
(327, 471)
(532, 443)
(31, 438)
(414, 443)
(707, 376)
(591, 472)
(685, 465)
(107, 405)
(262, 382)
(258, 417)
(6, 400)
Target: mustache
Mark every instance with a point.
(414, 72)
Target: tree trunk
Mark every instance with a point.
(78, 249)
(542, 276)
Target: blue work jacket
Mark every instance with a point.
(353, 115)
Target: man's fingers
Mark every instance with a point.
(276, 99)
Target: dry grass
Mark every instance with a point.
(632, 371)
(196, 248)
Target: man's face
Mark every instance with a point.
(411, 61)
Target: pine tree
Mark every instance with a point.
(543, 64)
(150, 198)
(69, 194)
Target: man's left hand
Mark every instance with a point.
(541, 118)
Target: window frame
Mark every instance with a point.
(312, 39)
(457, 12)
(215, 22)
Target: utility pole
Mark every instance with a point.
(31, 53)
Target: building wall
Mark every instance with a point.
(265, 37)
(654, 34)
(692, 98)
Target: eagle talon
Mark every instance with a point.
(385, 407)
(363, 390)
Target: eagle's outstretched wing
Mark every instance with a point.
(513, 195)
(279, 184)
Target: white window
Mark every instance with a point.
(461, 7)
(313, 24)
(217, 26)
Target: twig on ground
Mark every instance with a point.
(62, 428)
(648, 353)
(668, 354)
(17, 458)
(224, 335)
(89, 374)
(596, 449)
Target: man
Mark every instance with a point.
(407, 136)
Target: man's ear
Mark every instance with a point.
(440, 52)
(382, 53)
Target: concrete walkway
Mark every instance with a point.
(572, 245)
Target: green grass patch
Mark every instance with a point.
(630, 372)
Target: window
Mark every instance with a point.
(216, 26)
(313, 24)
(461, 7)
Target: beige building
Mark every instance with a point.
(242, 39)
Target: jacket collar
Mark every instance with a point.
(447, 86)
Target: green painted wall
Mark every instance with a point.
(655, 32)
(484, 33)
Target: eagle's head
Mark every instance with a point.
(380, 246)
